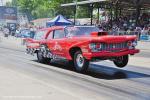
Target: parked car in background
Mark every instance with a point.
(82, 44)
(24, 33)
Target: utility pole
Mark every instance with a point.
(91, 13)
(138, 10)
(75, 11)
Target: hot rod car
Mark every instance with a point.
(82, 44)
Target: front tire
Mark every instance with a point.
(80, 63)
(121, 61)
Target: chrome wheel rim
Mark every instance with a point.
(80, 60)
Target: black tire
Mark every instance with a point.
(80, 66)
(71, 65)
(121, 61)
(41, 59)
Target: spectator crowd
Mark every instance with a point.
(128, 25)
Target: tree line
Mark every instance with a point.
(47, 8)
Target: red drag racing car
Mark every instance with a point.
(82, 44)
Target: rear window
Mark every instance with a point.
(80, 31)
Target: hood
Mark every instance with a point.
(107, 39)
(112, 39)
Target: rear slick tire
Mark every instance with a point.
(41, 59)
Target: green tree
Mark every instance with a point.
(47, 8)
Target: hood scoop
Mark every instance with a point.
(96, 34)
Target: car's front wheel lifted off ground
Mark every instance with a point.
(80, 63)
(121, 61)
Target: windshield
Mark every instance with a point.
(40, 35)
(80, 31)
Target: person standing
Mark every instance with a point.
(138, 32)
(6, 32)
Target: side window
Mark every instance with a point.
(50, 36)
(40, 35)
(59, 34)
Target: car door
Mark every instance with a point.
(58, 42)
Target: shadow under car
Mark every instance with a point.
(100, 71)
